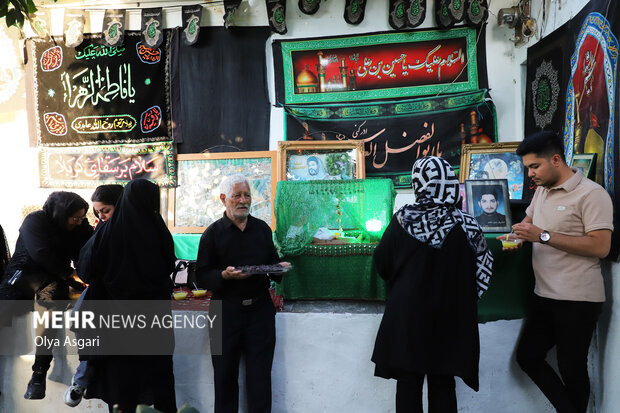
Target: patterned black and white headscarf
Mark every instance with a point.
(434, 213)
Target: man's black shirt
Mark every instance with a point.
(223, 244)
(494, 219)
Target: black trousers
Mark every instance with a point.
(567, 325)
(249, 331)
(441, 394)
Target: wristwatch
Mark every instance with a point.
(544, 237)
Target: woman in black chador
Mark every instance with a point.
(5, 252)
(49, 240)
(131, 257)
(437, 264)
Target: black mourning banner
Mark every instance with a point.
(354, 11)
(152, 28)
(41, 23)
(276, 14)
(416, 13)
(309, 6)
(397, 14)
(97, 94)
(114, 27)
(396, 133)
(443, 16)
(219, 92)
(74, 27)
(230, 8)
(191, 16)
(547, 77)
(476, 12)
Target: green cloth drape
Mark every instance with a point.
(326, 272)
(333, 272)
(302, 207)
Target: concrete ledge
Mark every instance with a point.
(322, 364)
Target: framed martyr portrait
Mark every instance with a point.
(488, 202)
(195, 203)
(494, 161)
(314, 160)
(584, 162)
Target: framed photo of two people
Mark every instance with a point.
(489, 202)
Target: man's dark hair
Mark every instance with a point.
(542, 144)
(487, 190)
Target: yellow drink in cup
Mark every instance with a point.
(510, 243)
(179, 295)
(199, 293)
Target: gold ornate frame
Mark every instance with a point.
(487, 148)
(286, 148)
(204, 159)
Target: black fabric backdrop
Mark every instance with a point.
(218, 91)
(410, 128)
(549, 59)
(545, 91)
(560, 46)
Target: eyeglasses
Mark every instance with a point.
(78, 220)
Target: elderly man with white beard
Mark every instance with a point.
(247, 312)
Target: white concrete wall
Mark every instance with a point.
(322, 364)
(322, 359)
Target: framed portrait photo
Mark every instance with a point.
(315, 160)
(584, 162)
(488, 202)
(195, 203)
(494, 161)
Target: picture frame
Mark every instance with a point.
(314, 160)
(194, 204)
(463, 197)
(585, 162)
(347, 68)
(489, 203)
(494, 161)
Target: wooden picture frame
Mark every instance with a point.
(586, 163)
(194, 204)
(494, 161)
(489, 203)
(314, 160)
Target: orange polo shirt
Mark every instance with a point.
(576, 207)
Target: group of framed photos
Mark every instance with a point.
(195, 203)
(493, 174)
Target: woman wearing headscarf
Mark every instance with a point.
(49, 241)
(437, 263)
(104, 200)
(131, 257)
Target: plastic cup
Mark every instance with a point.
(199, 293)
(510, 243)
(179, 295)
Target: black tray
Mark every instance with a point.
(263, 269)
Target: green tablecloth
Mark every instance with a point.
(346, 272)
(333, 272)
(324, 273)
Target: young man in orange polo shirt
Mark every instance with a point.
(569, 223)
